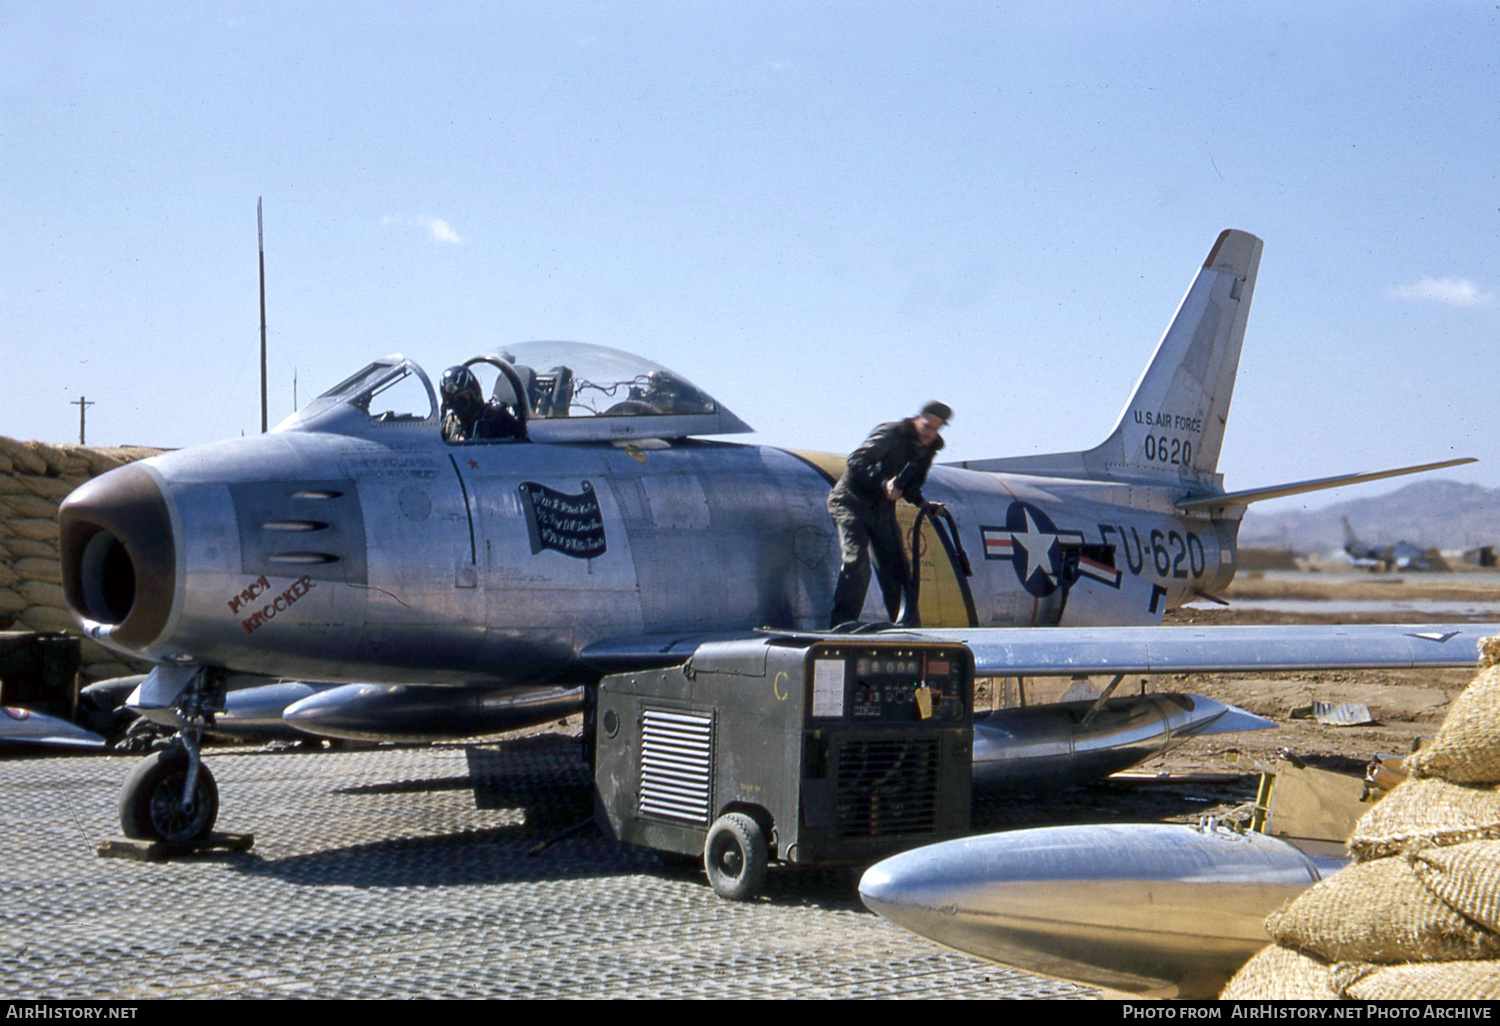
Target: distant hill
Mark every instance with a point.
(1432, 514)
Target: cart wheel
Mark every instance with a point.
(734, 856)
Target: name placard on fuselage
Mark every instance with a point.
(570, 524)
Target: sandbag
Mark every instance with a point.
(1418, 981)
(21, 458)
(57, 459)
(1422, 812)
(100, 461)
(1466, 877)
(24, 504)
(1279, 974)
(1418, 915)
(103, 460)
(1466, 749)
(47, 618)
(131, 453)
(52, 489)
(1378, 912)
(25, 548)
(34, 529)
(33, 568)
(40, 593)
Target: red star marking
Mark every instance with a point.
(473, 463)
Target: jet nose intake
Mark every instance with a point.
(118, 556)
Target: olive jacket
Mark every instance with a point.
(882, 456)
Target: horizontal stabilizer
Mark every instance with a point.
(1250, 495)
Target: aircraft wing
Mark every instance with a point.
(642, 652)
(1062, 651)
(1069, 651)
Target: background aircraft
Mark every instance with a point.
(1400, 556)
(354, 545)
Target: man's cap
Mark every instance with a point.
(941, 411)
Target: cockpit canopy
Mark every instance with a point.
(562, 391)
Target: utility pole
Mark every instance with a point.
(260, 233)
(83, 405)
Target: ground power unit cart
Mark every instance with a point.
(805, 750)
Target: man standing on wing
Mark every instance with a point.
(891, 464)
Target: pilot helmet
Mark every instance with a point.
(460, 388)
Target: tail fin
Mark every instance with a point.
(1350, 541)
(1173, 425)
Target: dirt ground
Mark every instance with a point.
(1365, 587)
(1406, 704)
(1217, 775)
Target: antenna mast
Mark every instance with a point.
(260, 233)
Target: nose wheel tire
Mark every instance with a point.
(151, 806)
(735, 856)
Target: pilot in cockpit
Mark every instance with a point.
(466, 415)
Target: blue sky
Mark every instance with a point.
(822, 213)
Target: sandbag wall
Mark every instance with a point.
(1418, 913)
(35, 477)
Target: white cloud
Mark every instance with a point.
(438, 230)
(1449, 291)
(441, 230)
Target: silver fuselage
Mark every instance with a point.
(381, 553)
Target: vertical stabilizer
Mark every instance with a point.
(1173, 424)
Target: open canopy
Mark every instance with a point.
(568, 392)
(581, 392)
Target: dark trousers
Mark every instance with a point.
(865, 528)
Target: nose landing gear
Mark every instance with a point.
(171, 797)
(167, 798)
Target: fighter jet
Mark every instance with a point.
(1403, 555)
(485, 580)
